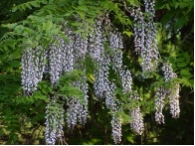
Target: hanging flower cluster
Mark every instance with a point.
(77, 110)
(101, 83)
(96, 46)
(159, 104)
(67, 51)
(54, 121)
(80, 48)
(137, 123)
(137, 120)
(103, 88)
(55, 67)
(33, 65)
(116, 44)
(173, 91)
(61, 58)
(113, 105)
(145, 36)
(126, 80)
(116, 129)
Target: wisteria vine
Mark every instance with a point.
(66, 57)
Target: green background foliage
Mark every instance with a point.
(35, 22)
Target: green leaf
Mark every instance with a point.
(28, 5)
(130, 138)
(180, 22)
(186, 82)
(77, 24)
(14, 9)
(168, 6)
(81, 2)
(185, 72)
(89, 21)
(83, 8)
(182, 64)
(176, 5)
(15, 63)
(82, 15)
(35, 4)
(128, 33)
(180, 59)
(187, 57)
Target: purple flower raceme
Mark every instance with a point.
(159, 104)
(101, 83)
(145, 36)
(55, 67)
(77, 109)
(67, 54)
(126, 80)
(33, 65)
(137, 123)
(96, 38)
(116, 44)
(116, 123)
(54, 121)
(173, 91)
(116, 129)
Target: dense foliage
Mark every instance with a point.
(96, 72)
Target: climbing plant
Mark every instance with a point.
(60, 55)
